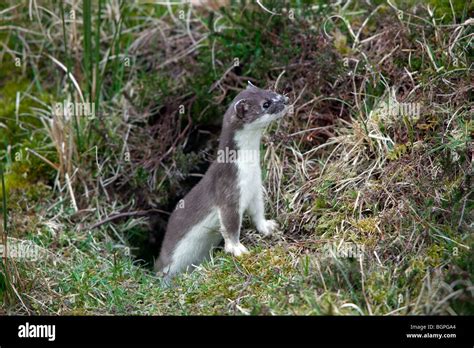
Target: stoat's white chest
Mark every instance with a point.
(248, 166)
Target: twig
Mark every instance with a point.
(266, 9)
(126, 214)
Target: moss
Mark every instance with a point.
(451, 11)
(435, 255)
(340, 43)
(397, 151)
(25, 183)
(380, 288)
(319, 204)
(12, 83)
(414, 273)
(327, 223)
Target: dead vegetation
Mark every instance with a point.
(345, 170)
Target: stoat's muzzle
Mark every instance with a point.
(279, 105)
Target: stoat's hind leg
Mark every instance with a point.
(195, 246)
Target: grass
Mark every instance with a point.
(375, 160)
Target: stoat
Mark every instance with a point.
(232, 185)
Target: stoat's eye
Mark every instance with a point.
(267, 104)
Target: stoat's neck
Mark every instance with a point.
(237, 139)
(248, 146)
(248, 139)
(243, 143)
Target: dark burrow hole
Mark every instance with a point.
(146, 241)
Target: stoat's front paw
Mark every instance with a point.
(267, 227)
(236, 249)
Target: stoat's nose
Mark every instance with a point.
(283, 99)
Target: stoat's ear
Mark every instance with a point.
(241, 107)
(250, 85)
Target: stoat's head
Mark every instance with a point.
(256, 108)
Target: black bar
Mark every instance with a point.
(243, 330)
